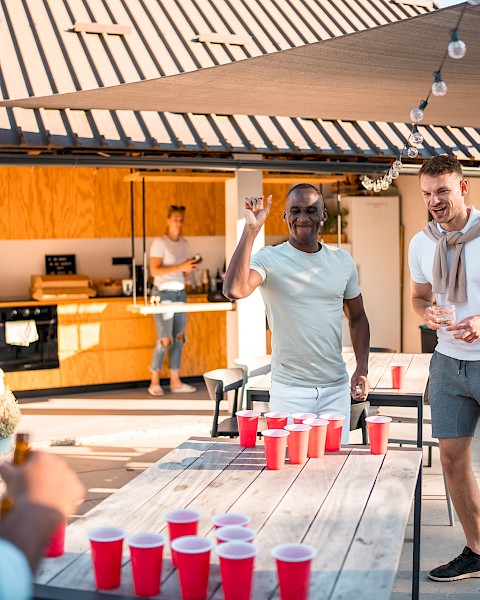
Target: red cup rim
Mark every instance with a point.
(315, 422)
(106, 534)
(192, 544)
(303, 415)
(378, 419)
(332, 416)
(275, 433)
(236, 550)
(150, 540)
(276, 415)
(298, 427)
(216, 518)
(398, 365)
(223, 533)
(248, 413)
(281, 552)
(185, 515)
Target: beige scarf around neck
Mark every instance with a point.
(457, 281)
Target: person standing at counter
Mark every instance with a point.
(170, 262)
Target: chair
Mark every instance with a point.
(219, 382)
(358, 414)
(255, 365)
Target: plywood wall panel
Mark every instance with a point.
(112, 204)
(4, 205)
(74, 203)
(30, 197)
(275, 224)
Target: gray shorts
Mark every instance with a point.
(454, 394)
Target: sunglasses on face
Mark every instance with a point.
(175, 208)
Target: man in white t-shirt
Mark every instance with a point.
(306, 286)
(444, 263)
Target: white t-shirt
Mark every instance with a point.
(173, 253)
(15, 574)
(420, 257)
(303, 295)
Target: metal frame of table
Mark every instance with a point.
(350, 515)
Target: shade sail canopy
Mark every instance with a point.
(373, 75)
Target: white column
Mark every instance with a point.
(246, 331)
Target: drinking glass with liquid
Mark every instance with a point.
(445, 315)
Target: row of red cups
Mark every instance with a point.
(191, 556)
(308, 436)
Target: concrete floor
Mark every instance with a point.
(110, 437)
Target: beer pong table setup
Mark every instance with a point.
(316, 527)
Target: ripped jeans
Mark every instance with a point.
(169, 325)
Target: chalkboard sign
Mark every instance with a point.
(62, 264)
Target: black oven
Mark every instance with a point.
(39, 354)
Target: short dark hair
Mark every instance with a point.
(440, 165)
(173, 208)
(304, 186)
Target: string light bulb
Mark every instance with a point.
(439, 87)
(412, 152)
(416, 114)
(397, 164)
(415, 137)
(456, 48)
(394, 174)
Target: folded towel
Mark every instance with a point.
(21, 333)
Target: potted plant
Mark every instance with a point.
(9, 416)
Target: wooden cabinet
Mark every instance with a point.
(101, 342)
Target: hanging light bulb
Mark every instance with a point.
(412, 152)
(384, 185)
(416, 114)
(397, 164)
(456, 48)
(416, 137)
(439, 87)
(389, 178)
(393, 173)
(369, 186)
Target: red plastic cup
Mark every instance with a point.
(247, 427)
(293, 568)
(107, 544)
(317, 438)
(193, 562)
(298, 443)
(227, 519)
(56, 544)
(275, 443)
(334, 431)
(146, 552)
(236, 568)
(276, 420)
(181, 521)
(378, 433)
(299, 418)
(398, 375)
(234, 533)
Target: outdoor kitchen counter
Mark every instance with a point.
(100, 341)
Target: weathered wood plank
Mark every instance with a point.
(375, 552)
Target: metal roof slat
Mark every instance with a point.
(359, 21)
(400, 131)
(181, 130)
(294, 133)
(319, 124)
(227, 133)
(219, 53)
(297, 20)
(337, 135)
(314, 133)
(340, 18)
(311, 19)
(33, 67)
(106, 125)
(343, 133)
(258, 19)
(131, 125)
(373, 148)
(263, 42)
(269, 143)
(157, 130)
(14, 79)
(475, 144)
(277, 14)
(204, 130)
(220, 25)
(77, 60)
(443, 137)
(350, 132)
(199, 141)
(320, 11)
(224, 141)
(369, 7)
(247, 129)
(299, 124)
(389, 148)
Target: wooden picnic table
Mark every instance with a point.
(379, 375)
(351, 505)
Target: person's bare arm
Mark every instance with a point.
(360, 336)
(240, 280)
(421, 301)
(158, 268)
(45, 490)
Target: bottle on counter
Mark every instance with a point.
(188, 284)
(218, 281)
(20, 455)
(199, 285)
(205, 281)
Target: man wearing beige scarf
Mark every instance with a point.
(444, 261)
